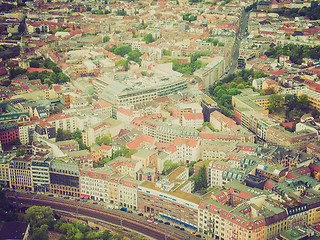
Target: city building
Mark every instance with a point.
(20, 173)
(40, 173)
(64, 178)
(94, 184)
(8, 132)
(128, 192)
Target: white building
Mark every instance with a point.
(128, 188)
(94, 185)
(192, 120)
(125, 116)
(215, 170)
(187, 150)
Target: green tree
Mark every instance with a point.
(121, 62)
(201, 179)
(106, 139)
(122, 50)
(315, 113)
(40, 233)
(40, 215)
(121, 12)
(21, 28)
(34, 63)
(21, 152)
(191, 168)
(275, 103)
(169, 166)
(303, 102)
(106, 39)
(59, 136)
(148, 38)
(135, 56)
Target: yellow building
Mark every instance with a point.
(96, 153)
(113, 188)
(20, 174)
(4, 173)
(313, 97)
(314, 213)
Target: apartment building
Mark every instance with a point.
(184, 150)
(177, 205)
(212, 72)
(8, 132)
(94, 184)
(128, 192)
(194, 120)
(20, 173)
(215, 170)
(165, 133)
(215, 149)
(293, 140)
(4, 172)
(313, 97)
(276, 173)
(106, 126)
(62, 120)
(147, 158)
(126, 166)
(68, 145)
(181, 108)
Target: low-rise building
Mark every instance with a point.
(83, 158)
(276, 173)
(68, 145)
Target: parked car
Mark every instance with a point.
(198, 236)
(182, 229)
(140, 214)
(160, 221)
(50, 195)
(95, 203)
(167, 223)
(124, 209)
(177, 227)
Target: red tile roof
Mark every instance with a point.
(30, 70)
(269, 185)
(190, 116)
(290, 175)
(187, 142)
(135, 143)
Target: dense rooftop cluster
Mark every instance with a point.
(124, 102)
